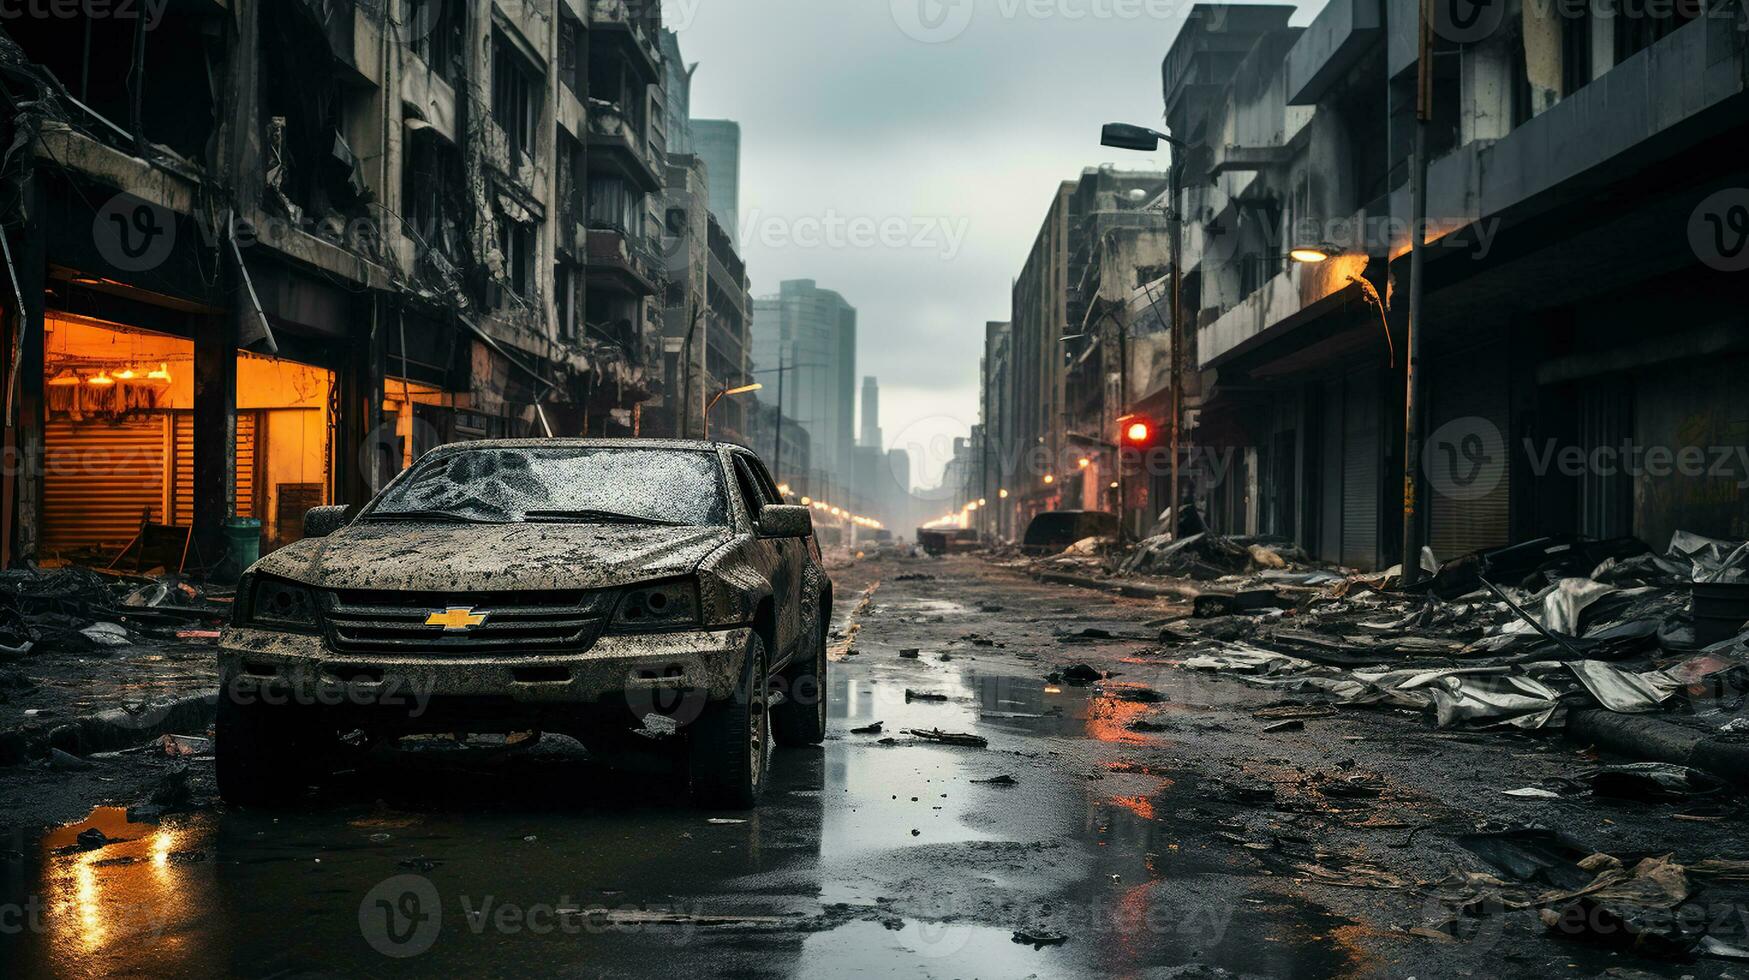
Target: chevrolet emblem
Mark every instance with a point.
(457, 619)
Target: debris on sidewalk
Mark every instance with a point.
(874, 729)
(1509, 639)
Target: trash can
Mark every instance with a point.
(244, 536)
(1721, 611)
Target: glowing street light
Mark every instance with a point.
(719, 396)
(1311, 254)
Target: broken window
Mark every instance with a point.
(431, 174)
(515, 97)
(564, 292)
(568, 164)
(152, 72)
(516, 244)
(571, 55)
(307, 165)
(436, 29)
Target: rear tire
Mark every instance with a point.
(264, 754)
(728, 746)
(801, 718)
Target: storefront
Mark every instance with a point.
(119, 443)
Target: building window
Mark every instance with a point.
(614, 205)
(571, 55)
(435, 28)
(516, 244)
(515, 98)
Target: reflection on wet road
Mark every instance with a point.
(874, 855)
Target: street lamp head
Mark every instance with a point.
(1311, 254)
(1124, 136)
(743, 389)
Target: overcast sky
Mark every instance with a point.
(903, 153)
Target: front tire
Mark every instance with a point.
(801, 718)
(729, 746)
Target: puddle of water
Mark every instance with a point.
(923, 949)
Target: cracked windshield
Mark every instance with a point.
(874, 488)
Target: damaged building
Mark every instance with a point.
(1584, 327)
(1579, 170)
(262, 255)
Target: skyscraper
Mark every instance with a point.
(871, 414)
(812, 331)
(718, 143)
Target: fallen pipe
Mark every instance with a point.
(1653, 740)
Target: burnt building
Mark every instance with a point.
(268, 253)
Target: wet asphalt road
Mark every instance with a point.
(1131, 841)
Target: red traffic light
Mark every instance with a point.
(1137, 433)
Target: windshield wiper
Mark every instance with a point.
(594, 517)
(443, 516)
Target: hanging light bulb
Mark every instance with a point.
(126, 374)
(66, 379)
(160, 375)
(101, 379)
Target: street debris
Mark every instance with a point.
(1002, 780)
(910, 654)
(874, 729)
(911, 695)
(1515, 638)
(1039, 938)
(949, 738)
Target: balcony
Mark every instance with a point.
(617, 147)
(630, 29)
(614, 263)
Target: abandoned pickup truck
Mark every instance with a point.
(568, 586)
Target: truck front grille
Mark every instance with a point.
(509, 622)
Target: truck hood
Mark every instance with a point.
(442, 557)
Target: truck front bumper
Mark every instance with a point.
(632, 669)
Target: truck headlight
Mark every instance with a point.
(664, 605)
(277, 604)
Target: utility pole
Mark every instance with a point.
(777, 449)
(1176, 495)
(1412, 395)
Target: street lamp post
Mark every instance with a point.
(1127, 137)
(719, 396)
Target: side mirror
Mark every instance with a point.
(319, 522)
(784, 521)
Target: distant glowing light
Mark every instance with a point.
(1138, 432)
(1310, 254)
(1049, 479)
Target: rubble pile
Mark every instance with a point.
(1516, 637)
(76, 610)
